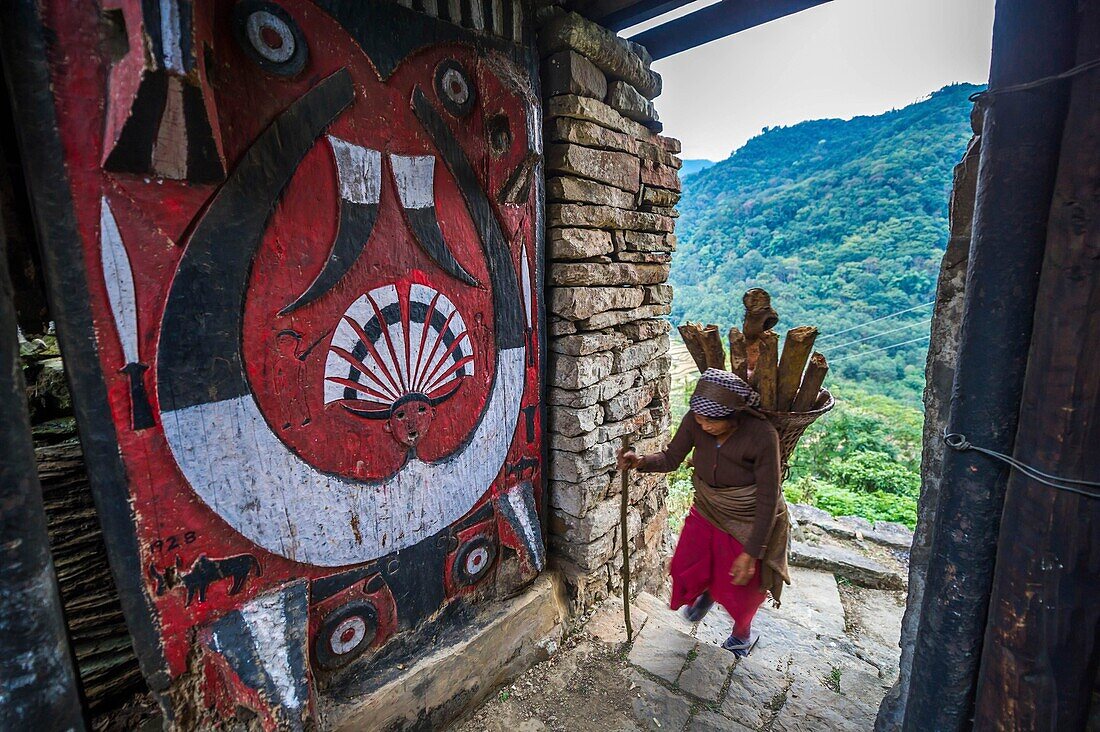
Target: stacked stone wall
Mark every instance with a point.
(611, 183)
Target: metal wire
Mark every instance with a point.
(884, 317)
(884, 348)
(1078, 69)
(958, 442)
(876, 335)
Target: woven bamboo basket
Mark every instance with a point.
(791, 425)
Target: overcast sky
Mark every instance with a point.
(841, 59)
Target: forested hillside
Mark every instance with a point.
(842, 221)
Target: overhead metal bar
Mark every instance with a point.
(716, 21)
(619, 14)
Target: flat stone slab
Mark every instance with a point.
(706, 673)
(706, 721)
(811, 707)
(849, 564)
(657, 708)
(812, 600)
(886, 533)
(608, 625)
(661, 651)
(757, 688)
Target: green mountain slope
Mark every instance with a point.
(694, 165)
(842, 221)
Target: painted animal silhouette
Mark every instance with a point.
(204, 572)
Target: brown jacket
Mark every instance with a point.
(737, 488)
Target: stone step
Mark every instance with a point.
(851, 565)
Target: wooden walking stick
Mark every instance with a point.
(623, 511)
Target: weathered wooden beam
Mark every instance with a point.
(716, 21)
(1042, 643)
(619, 14)
(1022, 134)
(40, 688)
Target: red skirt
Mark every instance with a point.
(703, 558)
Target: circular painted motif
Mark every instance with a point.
(454, 88)
(348, 635)
(477, 560)
(270, 36)
(474, 560)
(345, 634)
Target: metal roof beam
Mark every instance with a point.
(716, 21)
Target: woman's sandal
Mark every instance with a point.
(698, 609)
(741, 648)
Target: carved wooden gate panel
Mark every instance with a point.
(307, 237)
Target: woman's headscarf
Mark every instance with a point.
(720, 394)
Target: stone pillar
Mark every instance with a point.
(611, 184)
(943, 352)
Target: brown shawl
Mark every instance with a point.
(732, 511)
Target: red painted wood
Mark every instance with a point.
(156, 216)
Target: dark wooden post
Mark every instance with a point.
(36, 670)
(22, 50)
(1021, 138)
(1041, 651)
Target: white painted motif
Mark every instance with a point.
(358, 629)
(476, 560)
(119, 279)
(525, 283)
(415, 177)
(170, 33)
(235, 463)
(261, 20)
(521, 499)
(267, 623)
(409, 357)
(358, 169)
(456, 86)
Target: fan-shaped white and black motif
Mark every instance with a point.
(383, 354)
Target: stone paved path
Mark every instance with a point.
(814, 668)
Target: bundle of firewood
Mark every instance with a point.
(788, 383)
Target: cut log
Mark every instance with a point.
(739, 356)
(811, 384)
(692, 334)
(759, 317)
(759, 314)
(704, 344)
(767, 369)
(796, 351)
(712, 347)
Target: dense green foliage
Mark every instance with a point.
(842, 221)
(861, 459)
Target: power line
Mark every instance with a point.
(877, 335)
(884, 348)
(884, 317)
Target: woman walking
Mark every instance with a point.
(733, 549)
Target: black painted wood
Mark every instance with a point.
(1042, 644)
(39, 685)
(616, 15)
(1021, 138)
(354, 229)
(200, 345)
(716, 21)
(502, 273)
